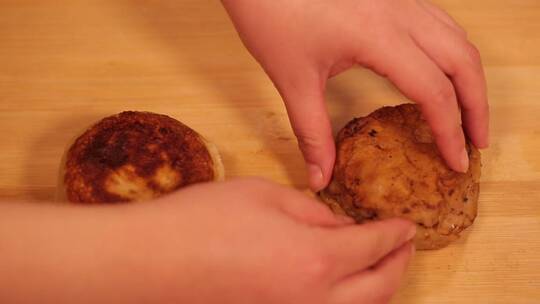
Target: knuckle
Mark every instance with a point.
(444, 94)
(309, 140)
(310, 144)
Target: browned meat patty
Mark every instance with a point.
(388, 165)
(135, 156)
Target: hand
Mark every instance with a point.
(419, 47)
(245, 241)
(249, 241)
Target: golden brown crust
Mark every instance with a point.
(388, 165)
(135, 156)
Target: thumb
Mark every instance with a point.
(304, 100)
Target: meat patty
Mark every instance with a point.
(388, 165)
(136, 156)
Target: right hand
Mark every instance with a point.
(251, 241)
(415, 44)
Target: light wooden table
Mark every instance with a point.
(65, 64)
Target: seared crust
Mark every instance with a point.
(135, 156)
(389, 166)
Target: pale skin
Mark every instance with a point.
(415, 44)
(243, 241)
(251, 241)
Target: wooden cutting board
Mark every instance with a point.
(65, 64)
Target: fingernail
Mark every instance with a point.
(411, 233)
(464, 161)
(484, 144)
(316, 178)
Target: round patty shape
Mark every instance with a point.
(388, 165)
(136, 156)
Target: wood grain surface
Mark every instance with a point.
(65, 64)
